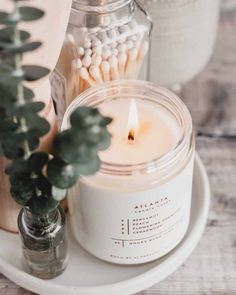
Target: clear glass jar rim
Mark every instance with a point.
(184, 145)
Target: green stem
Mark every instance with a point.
(20, 88)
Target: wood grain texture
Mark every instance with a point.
(211, 269)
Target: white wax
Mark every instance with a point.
(159, 132)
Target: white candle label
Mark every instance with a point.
(132, 227)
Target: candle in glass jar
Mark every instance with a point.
(156, 131)
(137, 207)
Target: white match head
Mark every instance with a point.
(133, 53)
(122, 57)
(121, 47)
(80, 50)
(96, 42)
(112, 33)
(133, 38)
(87, 43)
(93, 30)
(86, 61)
(113, 61)
(144, 48)
(114, 51)
(94, 71)
(76, 63)
(105, 66)
(129, 44)
(113, 44)
(96, 59)
(84, 73)
(106, 53)
(69, 39)
(97, 50)
(88, 51)
(102, 35)
(106, 40)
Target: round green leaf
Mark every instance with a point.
(29, 13)
(88, 168)
(42, 205)
(43, 185)
(23, 48)
(87, 116)
(33, 73)
(58, 194)
(27, 110)
(7, 36)
(22, 187)
(71, 147)
(11, 151)
(37, 161)
(61, 174)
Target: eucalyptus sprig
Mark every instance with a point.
(39, 180)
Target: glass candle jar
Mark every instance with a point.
(137, 207)
(44, 242)
(105, 40)
(183, 38)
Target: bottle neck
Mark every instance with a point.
(45, 221)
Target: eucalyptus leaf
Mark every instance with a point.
(17, 167)
(1, 150)
(8, 97)
(87, 117)
(9, 18)
(22, 187)
(21, 197)
(33, 143)
(33, 73)
(61, 174)
(22, 48)
(37, 161)
(58, 194)
(3, 17)
(38, 125)
(42, 205)
(7, 127)
(43, 185)
(29, 13)
(98, 137)
(11, 151)
(7, 36)
(88, 168)
(71, 147)
(28, 109)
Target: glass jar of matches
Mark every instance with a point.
(105, 40)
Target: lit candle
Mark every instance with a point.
(137, 207)
(140, 133)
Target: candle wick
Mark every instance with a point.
(131, 135)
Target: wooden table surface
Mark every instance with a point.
(211, 97)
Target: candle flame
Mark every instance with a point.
(133, 121)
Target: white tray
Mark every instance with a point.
(88, 275)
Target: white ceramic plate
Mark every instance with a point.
(88, 275)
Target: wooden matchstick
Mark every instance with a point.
(105, 69)
(114, 67)
(95, 73)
